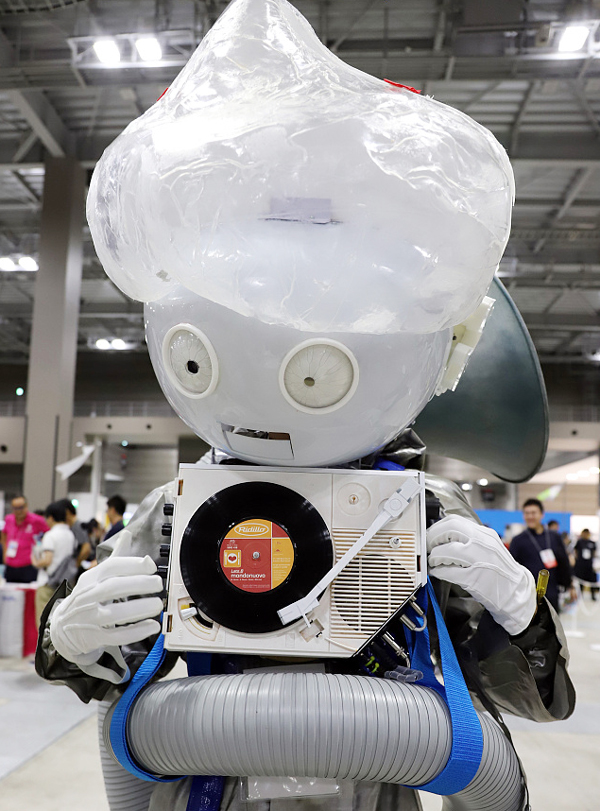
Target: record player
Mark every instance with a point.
(290, 562)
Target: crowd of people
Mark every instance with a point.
(569, 563)
(52, 545)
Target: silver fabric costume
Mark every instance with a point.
(524, 675)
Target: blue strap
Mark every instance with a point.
(467, 737)
(206, 792)
(118, 725)
(385, 464)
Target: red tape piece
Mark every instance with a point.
(162, 94)
(405, 86)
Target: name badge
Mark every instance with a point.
(548, 559)
(11, 549)
(587, 554)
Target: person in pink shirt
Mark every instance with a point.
(21, 531)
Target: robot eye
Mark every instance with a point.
(190, 361)
(318, 376)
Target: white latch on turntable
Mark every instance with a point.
(392, 510)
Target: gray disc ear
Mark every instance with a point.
(498, 416)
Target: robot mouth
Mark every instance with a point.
(273, 446)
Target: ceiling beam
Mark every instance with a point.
(43, 120)
(580, 95)
(582, 235)
(562, 322)
(522, 112)
(357, 18)
(581, 178)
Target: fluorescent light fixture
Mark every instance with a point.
(466, 486)
(102, 343)
(28, 263)
(19, 391)
(107, 51)
(124, 443)
(573, 38)
(482, 482)
(118, 343)
(6, 263)
(149, 49)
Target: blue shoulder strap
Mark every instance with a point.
(467, 737)
(118, 724)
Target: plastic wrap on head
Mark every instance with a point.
(278, 181)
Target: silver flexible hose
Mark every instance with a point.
(313, 725)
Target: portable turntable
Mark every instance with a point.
(291, 562)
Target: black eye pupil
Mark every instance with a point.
(192, 367)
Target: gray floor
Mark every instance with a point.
(49, 753)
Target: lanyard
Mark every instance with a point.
(546, 538)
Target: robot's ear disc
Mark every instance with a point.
(498, 416)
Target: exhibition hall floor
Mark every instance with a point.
(49, 752)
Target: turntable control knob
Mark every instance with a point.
(256, 555)
(165, 550)
(167, 529)
(168, 509)
(353, 499)
(162, 571)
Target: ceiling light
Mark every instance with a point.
(124, 443)
(482, 482)
(595, 470)
(149, 49)
(573, 38)
(571, 476)
(19, 391)
(102, 343)
(118, 343)
(107, 51)
(466, 486)
(6, 263)
(28, 263)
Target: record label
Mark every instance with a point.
(257, 555)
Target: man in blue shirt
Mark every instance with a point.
(540, 548)
(115, 510)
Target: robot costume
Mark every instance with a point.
(314, 248)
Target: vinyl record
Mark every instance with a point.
(250, 550)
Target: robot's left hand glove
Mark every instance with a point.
(473, 557)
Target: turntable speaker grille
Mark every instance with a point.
(374, 585)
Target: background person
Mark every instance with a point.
(57, 547)
(115, 510)
(21, 531)
(83, 547)
(540, 548)
(585, 552)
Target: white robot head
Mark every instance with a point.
(305, 238)
(276, 395)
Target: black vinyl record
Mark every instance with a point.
(250, 550)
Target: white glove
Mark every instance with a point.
(473, 557)
(96, 617)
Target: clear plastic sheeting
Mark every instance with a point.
(276, 180)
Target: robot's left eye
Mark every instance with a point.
(318, 376)
(190, 361)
